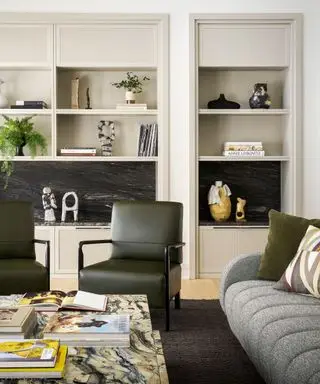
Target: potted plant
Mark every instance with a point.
(132, 84)
(15, 133)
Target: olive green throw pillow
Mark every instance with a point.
(285, 234)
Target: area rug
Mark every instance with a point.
(200, 347)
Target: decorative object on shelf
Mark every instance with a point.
(29, 104)
(73, 208)
(243, 148)
(15, 133)
(219, 201)
(3, 100)
(106, 135)
(49, 204)
(75, 93)
(148, 140)
(240, 215)
(260, 97)
(132, 84)
(88, 99)
(223, 103)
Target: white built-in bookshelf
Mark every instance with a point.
(229, 54)
(44, 53)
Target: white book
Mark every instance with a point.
(243, 143)
(243, 153)
(131, 106)
(78, 150)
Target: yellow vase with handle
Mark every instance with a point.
(219, 201)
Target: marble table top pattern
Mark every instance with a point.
(142, 363)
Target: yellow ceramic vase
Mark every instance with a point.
(222, 210)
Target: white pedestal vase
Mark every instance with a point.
(130, 97)
(3, 100)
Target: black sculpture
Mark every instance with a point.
(260, 97)
(88, 99)
(223, 103)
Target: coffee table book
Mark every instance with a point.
(89, 329)
(55, 372)
(16, 319)
(32, 353)
(55, 300)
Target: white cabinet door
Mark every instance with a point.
(244, 45)
(26, 45)
(217, 248)
(250, 240)
(67, 243)
(44, 233)
(114, 45)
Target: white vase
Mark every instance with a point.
(130, 97)
(3, 100)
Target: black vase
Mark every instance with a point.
(222, 103)
(19, 148)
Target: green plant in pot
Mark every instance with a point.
(132, 84)
(16, 133)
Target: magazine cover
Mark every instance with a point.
(88, 323)
(29, 350)
(43, 298)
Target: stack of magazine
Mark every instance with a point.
(89, 330)
(148, 140)
(34, 358)
(243, 148)
(17, 323)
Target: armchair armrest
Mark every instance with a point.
(241, 268)
(47, 254)
(167, 250)
(87, 242)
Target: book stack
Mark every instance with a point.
(243, 148)
(89, 330)
(148, 140)
(17, 323)
(131, 107)
(34, 358)
(78, 151)
(29, 104)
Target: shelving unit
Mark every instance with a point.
(232, 52)
(46, 52)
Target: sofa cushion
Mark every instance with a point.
(285, 234)
(280, 331)
(303, 273)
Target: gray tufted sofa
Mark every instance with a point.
(280, 331)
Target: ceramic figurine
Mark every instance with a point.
(73, 208)
(240, 215)
(49, 204)
(260, 97)
(3, 100)
(106, 138)
(88, 99)
(219, 201)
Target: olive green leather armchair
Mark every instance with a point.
(19, 270)
(146, 241)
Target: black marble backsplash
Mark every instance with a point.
(97, 184)
(259, 182)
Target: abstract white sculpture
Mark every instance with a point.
(74, 208)
(49, 204)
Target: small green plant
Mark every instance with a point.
(132, 83)
(15, 133)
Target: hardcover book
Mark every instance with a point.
(55, 372)
(78, 328)
(16, 319)
(55, 300)
(28, 353)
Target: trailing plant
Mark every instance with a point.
(15, 133)
(132, 83)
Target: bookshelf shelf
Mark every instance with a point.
(13, 112)
(107, 158)
(108, 112)
(244, 158)
(253, 112)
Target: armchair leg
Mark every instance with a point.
(167, 313)
(177, 302)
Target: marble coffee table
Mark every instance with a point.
(143, 362)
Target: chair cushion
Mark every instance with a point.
(124, 276)
(22, 275)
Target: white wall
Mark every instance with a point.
(179, 75)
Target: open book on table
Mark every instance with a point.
(55, 300)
